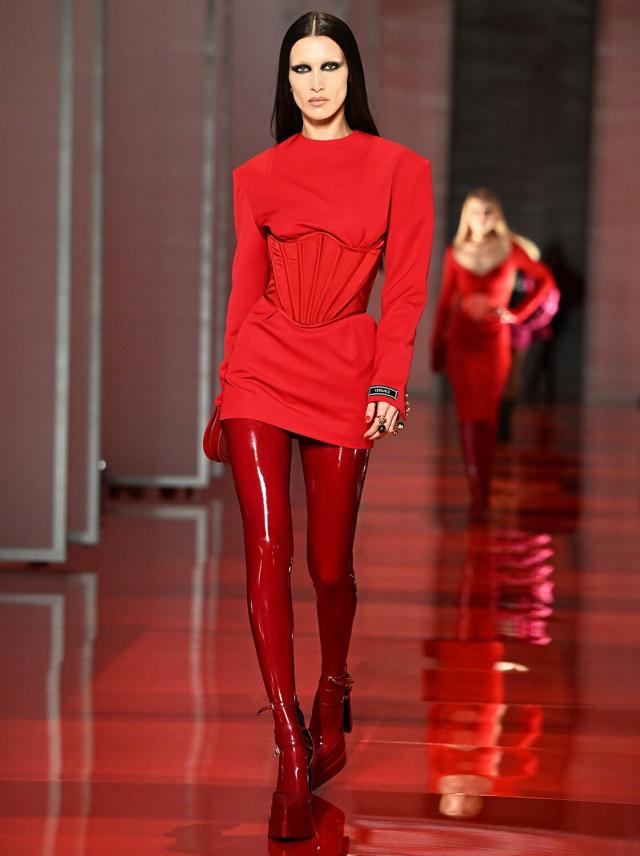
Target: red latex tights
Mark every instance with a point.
(260, 457)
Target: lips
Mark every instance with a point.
(318, 100)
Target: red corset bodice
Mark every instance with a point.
(315, 278)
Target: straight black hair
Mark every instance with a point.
(286, 118)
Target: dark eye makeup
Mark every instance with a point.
(302, 68)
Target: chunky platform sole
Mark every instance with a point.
(291, 817)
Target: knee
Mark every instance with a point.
(331, 574)
(265, 552)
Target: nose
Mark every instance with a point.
(316, 83)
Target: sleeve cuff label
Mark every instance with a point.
(383, 390)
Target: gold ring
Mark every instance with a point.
(381, 419)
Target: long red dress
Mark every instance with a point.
(478, 353)
(313, 219)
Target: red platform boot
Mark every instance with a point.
(291, 815)
(330, 719)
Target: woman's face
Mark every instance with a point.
(482, 217)
(318, 77)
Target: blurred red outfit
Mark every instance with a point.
(478, 352)
(313, 219)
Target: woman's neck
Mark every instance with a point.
(334, 129)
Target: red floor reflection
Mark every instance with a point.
(497, 686)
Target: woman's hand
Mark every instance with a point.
(378, 409)
(505, 315)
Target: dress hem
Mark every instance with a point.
(299, 427)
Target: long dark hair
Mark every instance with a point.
(286, 118)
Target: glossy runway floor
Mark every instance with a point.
(497, 694)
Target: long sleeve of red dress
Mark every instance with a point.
(407, 255)
(249, 272)
(313, 219)
(542, 277)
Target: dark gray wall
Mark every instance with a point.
(521, 125)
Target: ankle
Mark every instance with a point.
(289, 740)
(293, 760)
(286, 715)
(339, 682)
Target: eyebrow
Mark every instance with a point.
(305, 62)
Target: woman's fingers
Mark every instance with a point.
(370, 417)
(381, 409)
(378, 410)
(370, 412)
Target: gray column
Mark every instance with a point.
(36, 69)
(157, 227)
(86, 304)
(612, 353)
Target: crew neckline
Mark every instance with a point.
(334, 140)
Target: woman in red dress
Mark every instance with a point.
(472, 338)
(314, 216)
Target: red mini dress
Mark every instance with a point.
(478, 353)
(313, 221)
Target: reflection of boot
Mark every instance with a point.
(330, 719)
(470, 436)
(329, 821)
(504, 419)
(329, 840)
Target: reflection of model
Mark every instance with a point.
(314, 216)
(471, 339)
(478, 744)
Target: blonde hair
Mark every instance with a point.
(501, 229)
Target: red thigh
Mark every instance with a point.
(260, 458)
(334, 478)
(261, 461)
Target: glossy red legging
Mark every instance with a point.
(260, 457)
